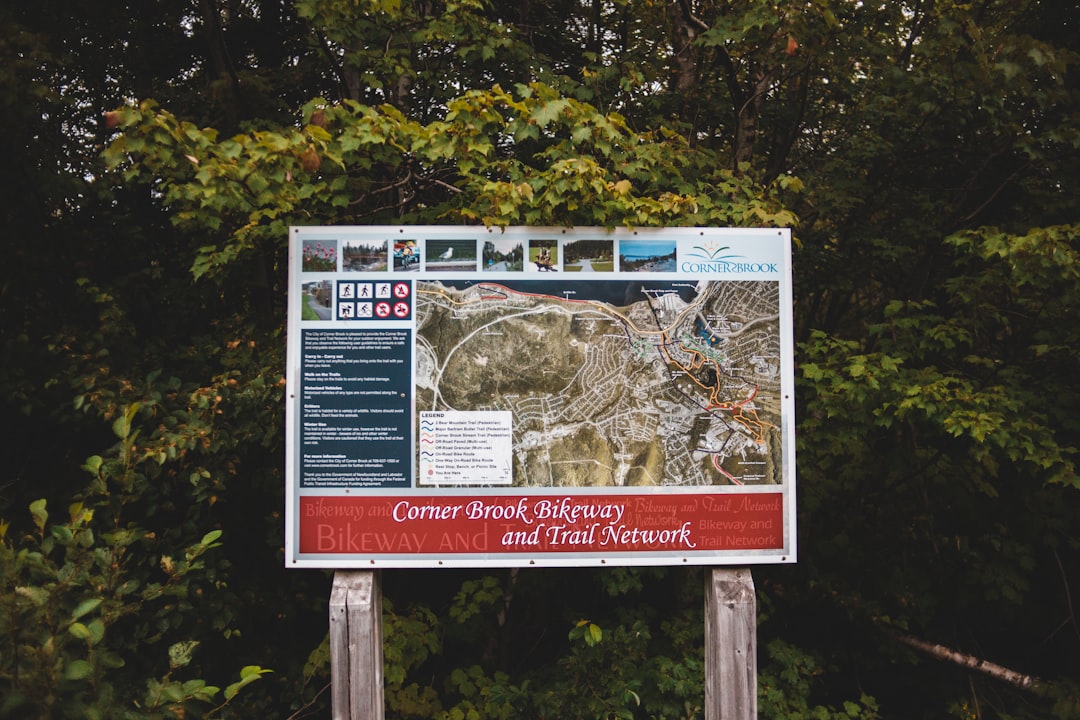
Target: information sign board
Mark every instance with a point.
(471, 397)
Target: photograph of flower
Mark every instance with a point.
(320, 256)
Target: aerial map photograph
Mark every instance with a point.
(613, 383)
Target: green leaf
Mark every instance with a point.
(248, 675)
(550, 111)
(84, 607)
(37, 595)
(96, 630)
(121, 427)
(78, 669)
(209, 538)
(39, 514)
(180, 653)
(173, 692)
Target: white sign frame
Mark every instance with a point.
(359, 396)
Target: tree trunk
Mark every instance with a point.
(684, 70)
(224, 83)
(747, 110)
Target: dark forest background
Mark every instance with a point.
(926, 154)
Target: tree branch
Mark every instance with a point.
(962, 222)
(307, 706)
(691, 18)
(1070, 619)
(395, 185)
(940, 652)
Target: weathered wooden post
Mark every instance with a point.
(356, 658)
(730, 645)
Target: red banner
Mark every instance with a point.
(485, 524)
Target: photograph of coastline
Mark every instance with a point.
(647, 256)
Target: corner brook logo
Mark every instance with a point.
(714, 262)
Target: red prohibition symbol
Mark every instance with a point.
(401, 290)
(401, 309)
(382, 309)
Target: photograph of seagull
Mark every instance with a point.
(450, 255)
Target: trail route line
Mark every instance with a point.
(612, 383)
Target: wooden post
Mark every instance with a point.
(356, 659)
(730, 645)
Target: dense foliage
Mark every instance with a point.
(927, 155)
